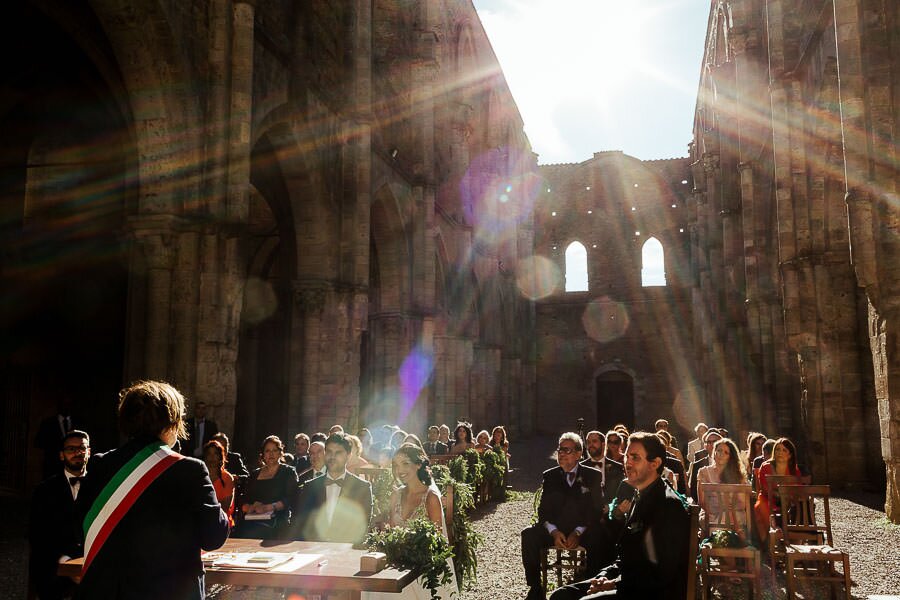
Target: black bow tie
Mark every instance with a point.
(73, 481)
(337, 482)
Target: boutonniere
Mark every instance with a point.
(584, 490)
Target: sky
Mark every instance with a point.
(595, 75)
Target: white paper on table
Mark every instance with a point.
(257, 561)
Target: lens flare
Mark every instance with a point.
(260, 301)
(415, 373)
(605, 319)
(538, 277)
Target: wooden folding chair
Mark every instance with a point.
(733, 512)
(809, 548)
(560, 559)
(775, 542)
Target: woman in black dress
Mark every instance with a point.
(270, 493)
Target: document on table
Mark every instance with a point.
(278, 562)
(259, 516)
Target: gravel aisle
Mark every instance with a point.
(858, 524)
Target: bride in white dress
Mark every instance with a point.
(417, 497)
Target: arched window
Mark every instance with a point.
(653, 264)
(576, 268)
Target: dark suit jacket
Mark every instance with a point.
(695, 467)
(614, 473)
(154, 552)
(436, 447)
(652, 551)
(53, 531)
(234, 464)
(209, 430)
(352, 514)
(301, 463)
(580, 505)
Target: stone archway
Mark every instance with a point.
(66, 187)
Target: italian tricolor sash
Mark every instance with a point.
(120, 494)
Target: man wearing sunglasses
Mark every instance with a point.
(570, 513)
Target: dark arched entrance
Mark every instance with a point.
(615, 399)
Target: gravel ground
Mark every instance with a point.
(858, 523)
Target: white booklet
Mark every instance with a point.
(259, 516)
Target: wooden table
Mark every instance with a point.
(339, 576)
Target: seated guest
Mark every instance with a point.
(673, 469)
(755, 441)
(463, 439)
(615, 444)
(499, 438)
(365, 438)
(705, 458)
(611, 472)
(318, 437)
(783, 462)
(335, 507)
(397, 439)
(570, 510)
(356, 460)
(270, 494)
(765, 454)
(417, 497)
(223, 481)
(54, 531)
(651, 555)
(335, 429)
(316, 462)
(697, 443)
(482, 441)
(434, 445)
(301, 452)
(444, 435)
(727, 467)
(234, 462)
(156, 530)
(411, 438)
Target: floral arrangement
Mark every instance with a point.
(495, 470)
(465, 539)
(418, 545)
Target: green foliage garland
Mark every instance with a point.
(476, 468)
(495, 470)
(382, 489)
(417, 545)
(466, 540)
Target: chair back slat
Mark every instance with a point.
(728, 506)
(799, 520)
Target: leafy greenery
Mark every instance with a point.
(517, 496)
(495, 470)
(382, 489)
(417, 545)
(459, 469)
(465, 539)
(475, 473)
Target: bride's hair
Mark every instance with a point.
(417, 456)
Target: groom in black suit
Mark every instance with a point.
(336, 506)
(569, 514)
(54, 531)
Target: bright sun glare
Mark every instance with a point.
(587, 60)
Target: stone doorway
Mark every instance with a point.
(615, 400)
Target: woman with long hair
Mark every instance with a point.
(222, 480)
(417, 497)
(463, 441)
(755, 441)
(727, 467)
(782, 462)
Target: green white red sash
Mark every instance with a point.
(121, 492)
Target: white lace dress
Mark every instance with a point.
(415, 590)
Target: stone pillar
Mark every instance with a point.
(155, 240)
(241, 110)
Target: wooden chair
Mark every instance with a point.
(441, 459)
(775, 542)
(809, 548)
(693, 551)
(559, 559)
(735, 514)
